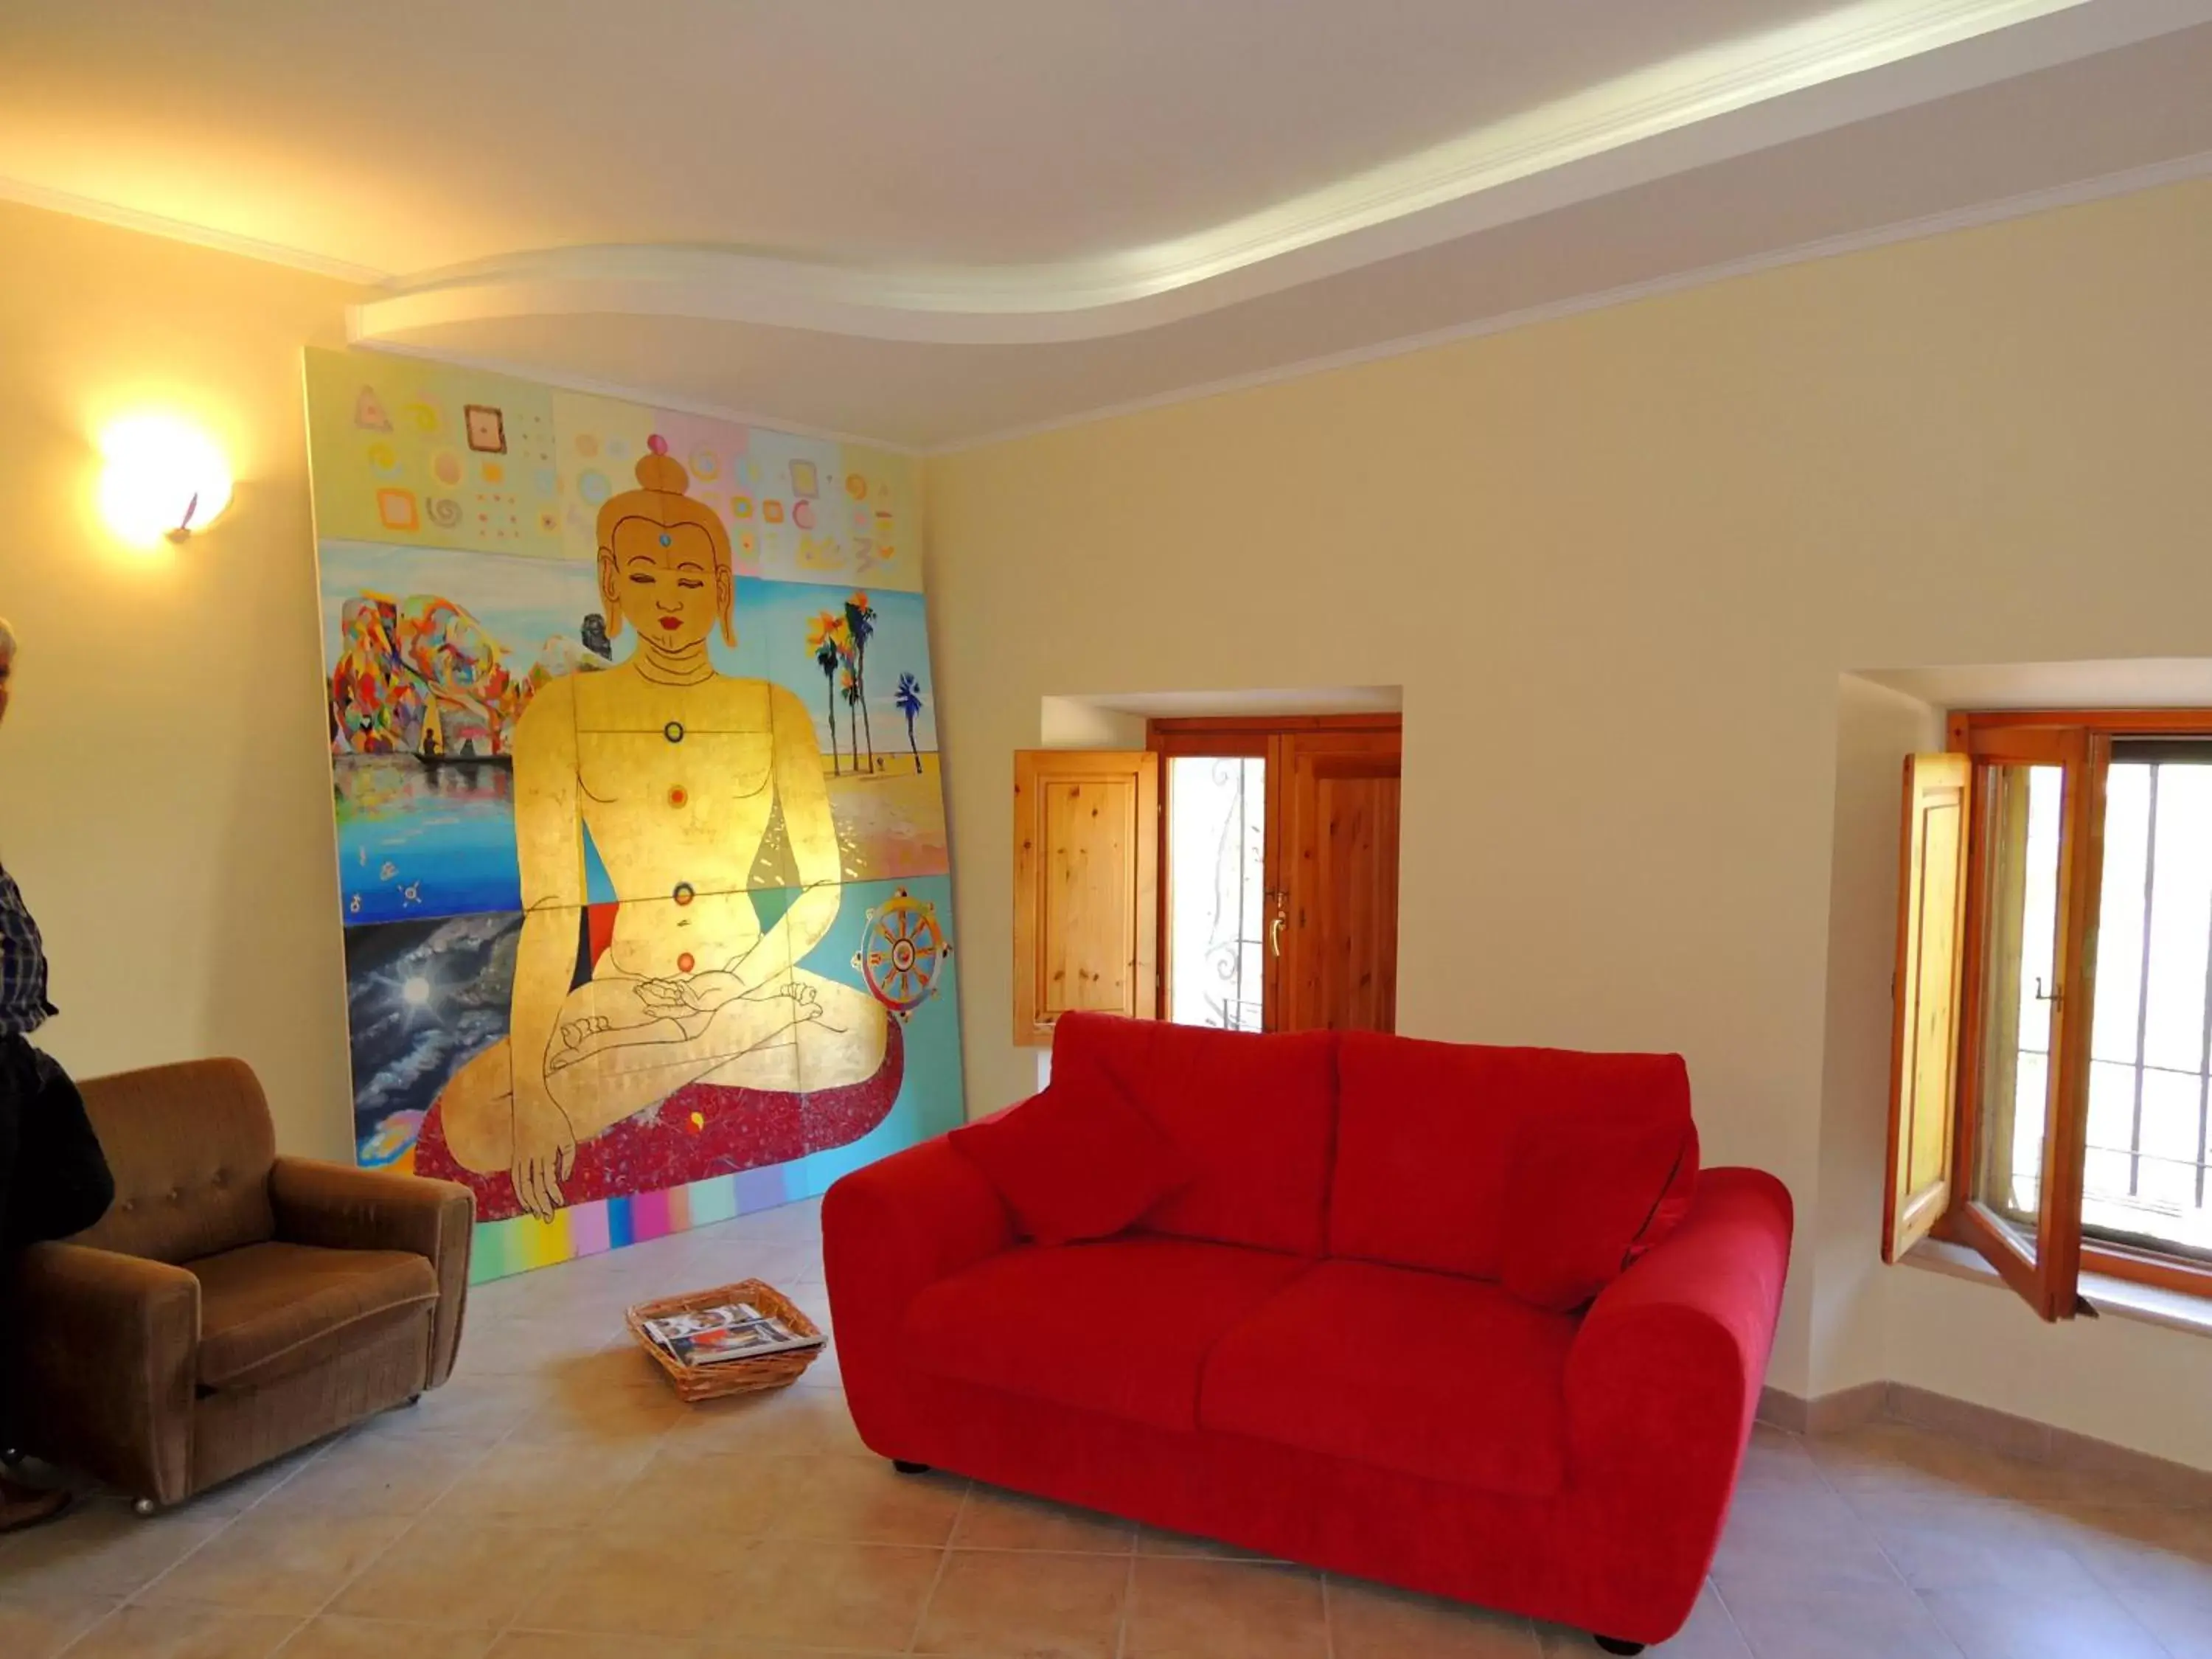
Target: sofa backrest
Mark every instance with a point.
(1425, 1131)
(190, 1147)
(1255, 1114)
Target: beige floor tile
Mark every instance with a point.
(482, 1406)
(2158, 1564)
(571, 1645)
(865, 1501)
(684, 1495)
(275, 1564)
(544, 1484)
(995, 1604)
(1709, 1634)
(237, 1496)
(804, 1591)
(100, 1548)
(1157, 1541)
(1199, 1609)
(783, 1422)
(482, 1572)
(615, 1586)
(997, 1520)
(335, 1637)
(2017, 1622)
(1883, 1467)
(185, 1633)
(1835, 1617)
(365, 1477)
(617, 1416)
(1375, 1621)
(1990, 1546)
(34, 1626)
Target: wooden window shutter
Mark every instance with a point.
(1087, 886)
(1928, 994)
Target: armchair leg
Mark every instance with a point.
(905, 1468)
(11, 1455)
(145, 1509)
(1614, 1644)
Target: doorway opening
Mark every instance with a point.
(1279, 862)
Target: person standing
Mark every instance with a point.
(54, 1180)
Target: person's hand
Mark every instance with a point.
(545, 1153)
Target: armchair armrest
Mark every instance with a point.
(890, 1231)
(342, 1208)
(1663, 1380)
(107, 1362)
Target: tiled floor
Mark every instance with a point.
(557, 1502)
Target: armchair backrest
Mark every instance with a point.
(190, 1147)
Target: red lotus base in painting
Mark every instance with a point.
(702, 1131)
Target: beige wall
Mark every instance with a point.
(1618, 563)
(164, 780)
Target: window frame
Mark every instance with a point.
(2049, 1281)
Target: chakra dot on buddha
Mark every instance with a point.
(664, 541)
(684, 963)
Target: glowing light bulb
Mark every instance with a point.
(164, 477)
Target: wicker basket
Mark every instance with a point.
(773, 1370)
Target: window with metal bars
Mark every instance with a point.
(2052, 1093)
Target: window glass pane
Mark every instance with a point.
(2019, 947)
(2180, 914)
(1217, 877)
(2144, 1181)
(2120, 949)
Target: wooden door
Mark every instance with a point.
(1086, 885)
(1333, 843)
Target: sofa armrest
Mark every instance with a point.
(1664, 1376)
(890, 1231)
(107, 1356)
(342, 1208)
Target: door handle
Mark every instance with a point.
(1275, 936)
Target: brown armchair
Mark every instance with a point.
(232, 1304)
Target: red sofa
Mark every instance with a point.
(1306, 1348)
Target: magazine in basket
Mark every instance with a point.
(733, 1330)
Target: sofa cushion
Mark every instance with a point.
(1426, 1133)
(1429, 1374)
(1256, 1114)
(189, 1146)
(271, 1310)
(1590, 1191)
(1077, 1161)
(1121, 1327)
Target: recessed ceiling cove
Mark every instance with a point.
(813, 211)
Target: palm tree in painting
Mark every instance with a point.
(822, 638)
(909, 699)
(860, 624)
(850, 686)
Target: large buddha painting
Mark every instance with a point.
(641, 834)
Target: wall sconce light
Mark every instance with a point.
(163, 478)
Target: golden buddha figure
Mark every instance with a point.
(675, 769)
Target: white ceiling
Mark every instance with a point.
(927, 223)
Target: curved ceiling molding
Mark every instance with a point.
(1864, 60)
